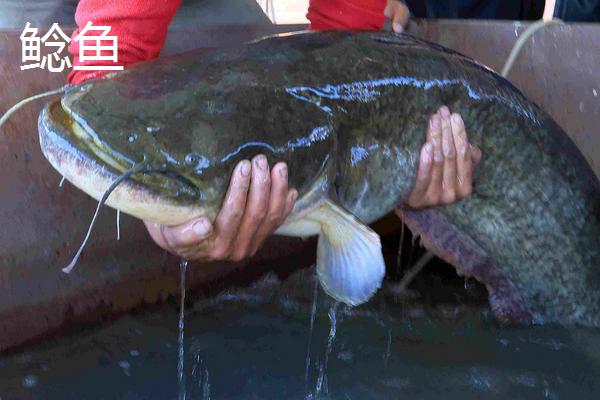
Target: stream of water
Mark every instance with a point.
(181, 337)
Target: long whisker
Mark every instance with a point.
(20, 104)
(137, 168)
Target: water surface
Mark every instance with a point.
(256, 343)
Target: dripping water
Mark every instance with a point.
(319, 384)
(205, 386)
(310, 334)
(118, 224)
(330, 339)
(388, 348)
(62, 181)
(322, 384)
(203, 380)
(180, 363)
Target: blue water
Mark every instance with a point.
(256, 343)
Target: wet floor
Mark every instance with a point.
(256, 343)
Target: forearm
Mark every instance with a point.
(140, 27)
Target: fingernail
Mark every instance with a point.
(426, 155)
(457, 119)
(397, 27)
(445, 111)
(201, 228)
(435, 121)
(245, 168)
(294, 196)
(283, 172)
(447, 147)
(261, 162)
(462, 149)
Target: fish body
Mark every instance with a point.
(347, 112)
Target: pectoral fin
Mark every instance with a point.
(350, 264)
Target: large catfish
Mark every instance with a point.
(347, 112)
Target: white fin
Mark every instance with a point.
(349, 260)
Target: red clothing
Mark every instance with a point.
(141, 25)
(360, 15)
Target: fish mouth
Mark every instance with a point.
(83, 160)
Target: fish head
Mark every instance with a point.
(173, 187)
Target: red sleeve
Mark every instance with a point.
(140, 27)
(362, 15)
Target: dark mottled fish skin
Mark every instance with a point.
(358, 104)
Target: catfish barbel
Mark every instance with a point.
(347, 113)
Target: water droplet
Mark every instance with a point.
(595, 92)
(133, 137)
(29, 381)
(125, 367)
(346, 356)
(151, 129)
(134, 353)
(198, 161)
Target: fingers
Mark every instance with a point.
(229, 219)
(181, 239)
(423, 175)
(257, 202)
(464, 166)
(446, 162)
(400, 19)
(398, 12)
(449, 179)
(279, 206)
(434, 192)
(257, 206)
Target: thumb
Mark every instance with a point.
(397, 27)
(181, 236)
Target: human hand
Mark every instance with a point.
(257, 202)
(446, 162)
(398, 13)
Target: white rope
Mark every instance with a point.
(118, 224)
(527, 33)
